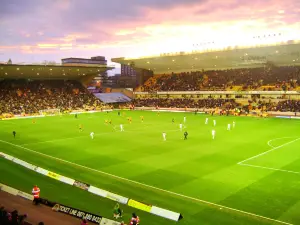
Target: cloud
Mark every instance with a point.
(137, 27)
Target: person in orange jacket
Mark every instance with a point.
(135, 220)
(36, 194)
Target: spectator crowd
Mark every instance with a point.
(186, 103)
(275, 78)
(225, 104)
(29, 97)
(13, 218)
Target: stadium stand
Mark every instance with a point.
(186, 103)
(225, 104)
(31, 96)
(265, 78)
(288, 106)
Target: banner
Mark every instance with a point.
(117, 198)
(166, 213)
(23, 163)
(81, 185)
(8, 189)
(77, 213)
(25, 195)
(53, 175)
(139, 205)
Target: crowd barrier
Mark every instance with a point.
(97, 191)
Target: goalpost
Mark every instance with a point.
(50, 112)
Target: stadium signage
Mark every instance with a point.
(15, 192)
(77, 213)
(166, 213)
(139, 205)
(25, 195)
(81, 185)
(53, 175)
(109, 195)
(117, 198)
(155, 210)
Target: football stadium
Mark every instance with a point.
(202, 135)
(198, 145)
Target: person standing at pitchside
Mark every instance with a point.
(36, 195)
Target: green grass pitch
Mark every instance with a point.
(266, 184)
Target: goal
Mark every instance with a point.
(50, 112)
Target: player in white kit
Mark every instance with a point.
(184, 119)
(228, 126)
(92, 135)
(213, 133)
(215, 123)
(180, 126)
(206, 121)
(164, 136)
(233, 124)
(121, 128)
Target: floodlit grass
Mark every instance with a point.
(198, 168)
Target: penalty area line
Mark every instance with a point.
(151, 187)
(269, 142)
(269, 168)
(272, 149)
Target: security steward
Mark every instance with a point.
(36, 195)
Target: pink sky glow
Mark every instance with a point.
(35, 30)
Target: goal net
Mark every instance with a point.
(50, 112)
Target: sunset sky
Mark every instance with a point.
(37, 30)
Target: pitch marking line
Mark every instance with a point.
(151, 187)
(266, 152)
(273, 148)
(269, 168)
(269, 142)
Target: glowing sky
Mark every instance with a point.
(37, 30)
